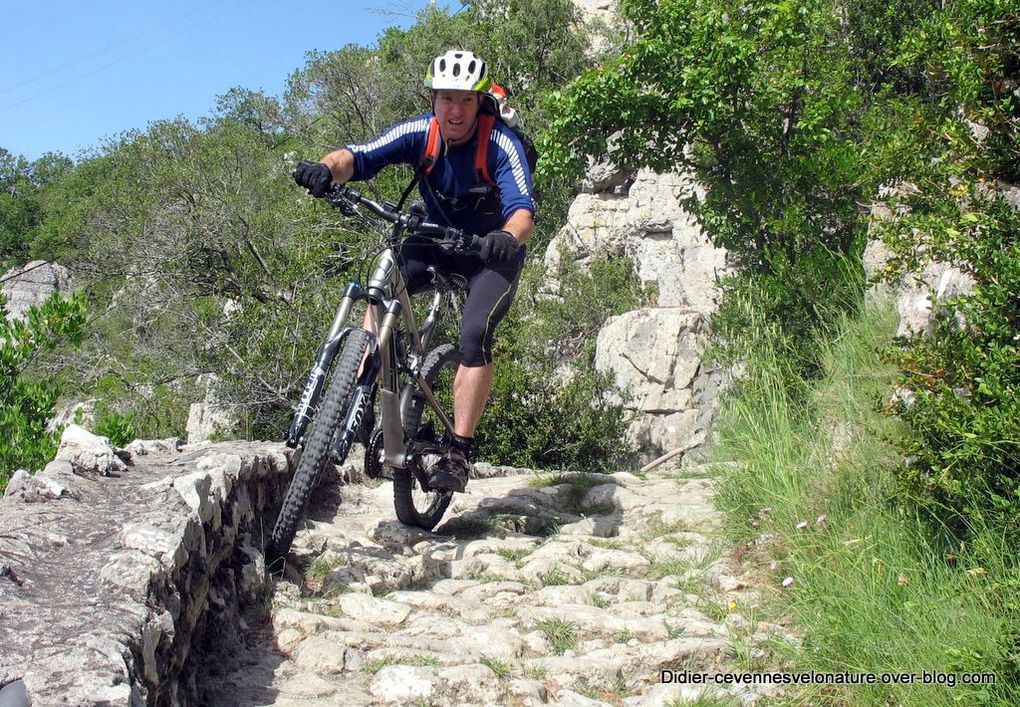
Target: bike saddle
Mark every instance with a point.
(447, 282)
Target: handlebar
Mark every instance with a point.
(348, 201)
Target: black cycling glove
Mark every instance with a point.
(315, 177)
(497, 247)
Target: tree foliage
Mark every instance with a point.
(954, 208)
(201, 256)
(771, 105)
(22, 191)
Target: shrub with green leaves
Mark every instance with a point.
(204, 256)
(26, 400)
(116, 426)
(965, 376)
(770, 106)
(962, 380)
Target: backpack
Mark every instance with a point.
(494, 107)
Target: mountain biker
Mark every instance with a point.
(502, 214)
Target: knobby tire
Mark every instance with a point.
(316, 451)
(404, 480)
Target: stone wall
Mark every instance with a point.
(120, 569)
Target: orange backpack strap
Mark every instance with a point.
(485, 123)
(428, 158)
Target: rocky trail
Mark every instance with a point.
(569, 589)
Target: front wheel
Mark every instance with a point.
(417, 504)
(317, 449)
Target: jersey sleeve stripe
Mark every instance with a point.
(392, 135)
(504, 143)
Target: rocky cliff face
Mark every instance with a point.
(33, 284)
(654, 353)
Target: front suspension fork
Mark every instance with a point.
(305, 412)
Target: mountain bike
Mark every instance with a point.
(393, 368)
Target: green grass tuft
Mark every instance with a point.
(561, 634)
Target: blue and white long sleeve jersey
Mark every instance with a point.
(448, 196)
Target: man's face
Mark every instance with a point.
(456, 111)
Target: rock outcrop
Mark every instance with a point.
(917, 295)
(920, 292)
(120, 568)
(598, 9)
(32, 284)
(654, 353)
(211, 417)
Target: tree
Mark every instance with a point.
(22, 192)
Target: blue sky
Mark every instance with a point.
(74, 73)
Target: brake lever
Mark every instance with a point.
(460, 242)
(338, 198)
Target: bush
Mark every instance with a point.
(26, 402)
(964, 446)
(116, 426)
(965, 377)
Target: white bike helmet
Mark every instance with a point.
(458, 70)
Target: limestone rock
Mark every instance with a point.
(82, 412)
(401, 684)
(320, 654)
(654, 354)
(141, 447)
(603, 9)
(31, 489)
(210, 417)
(88, 453)
(648, 224)
(916, 295)
(569, 698)
(32, 284)
(373, 611)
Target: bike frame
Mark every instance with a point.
(385, 313)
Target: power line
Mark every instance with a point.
(97, 52)
(119, 60)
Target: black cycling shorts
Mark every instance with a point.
(491, 290)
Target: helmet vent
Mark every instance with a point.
(456, 69)
(471, 68)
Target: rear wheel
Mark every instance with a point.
(319, 443)
(417, 504)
